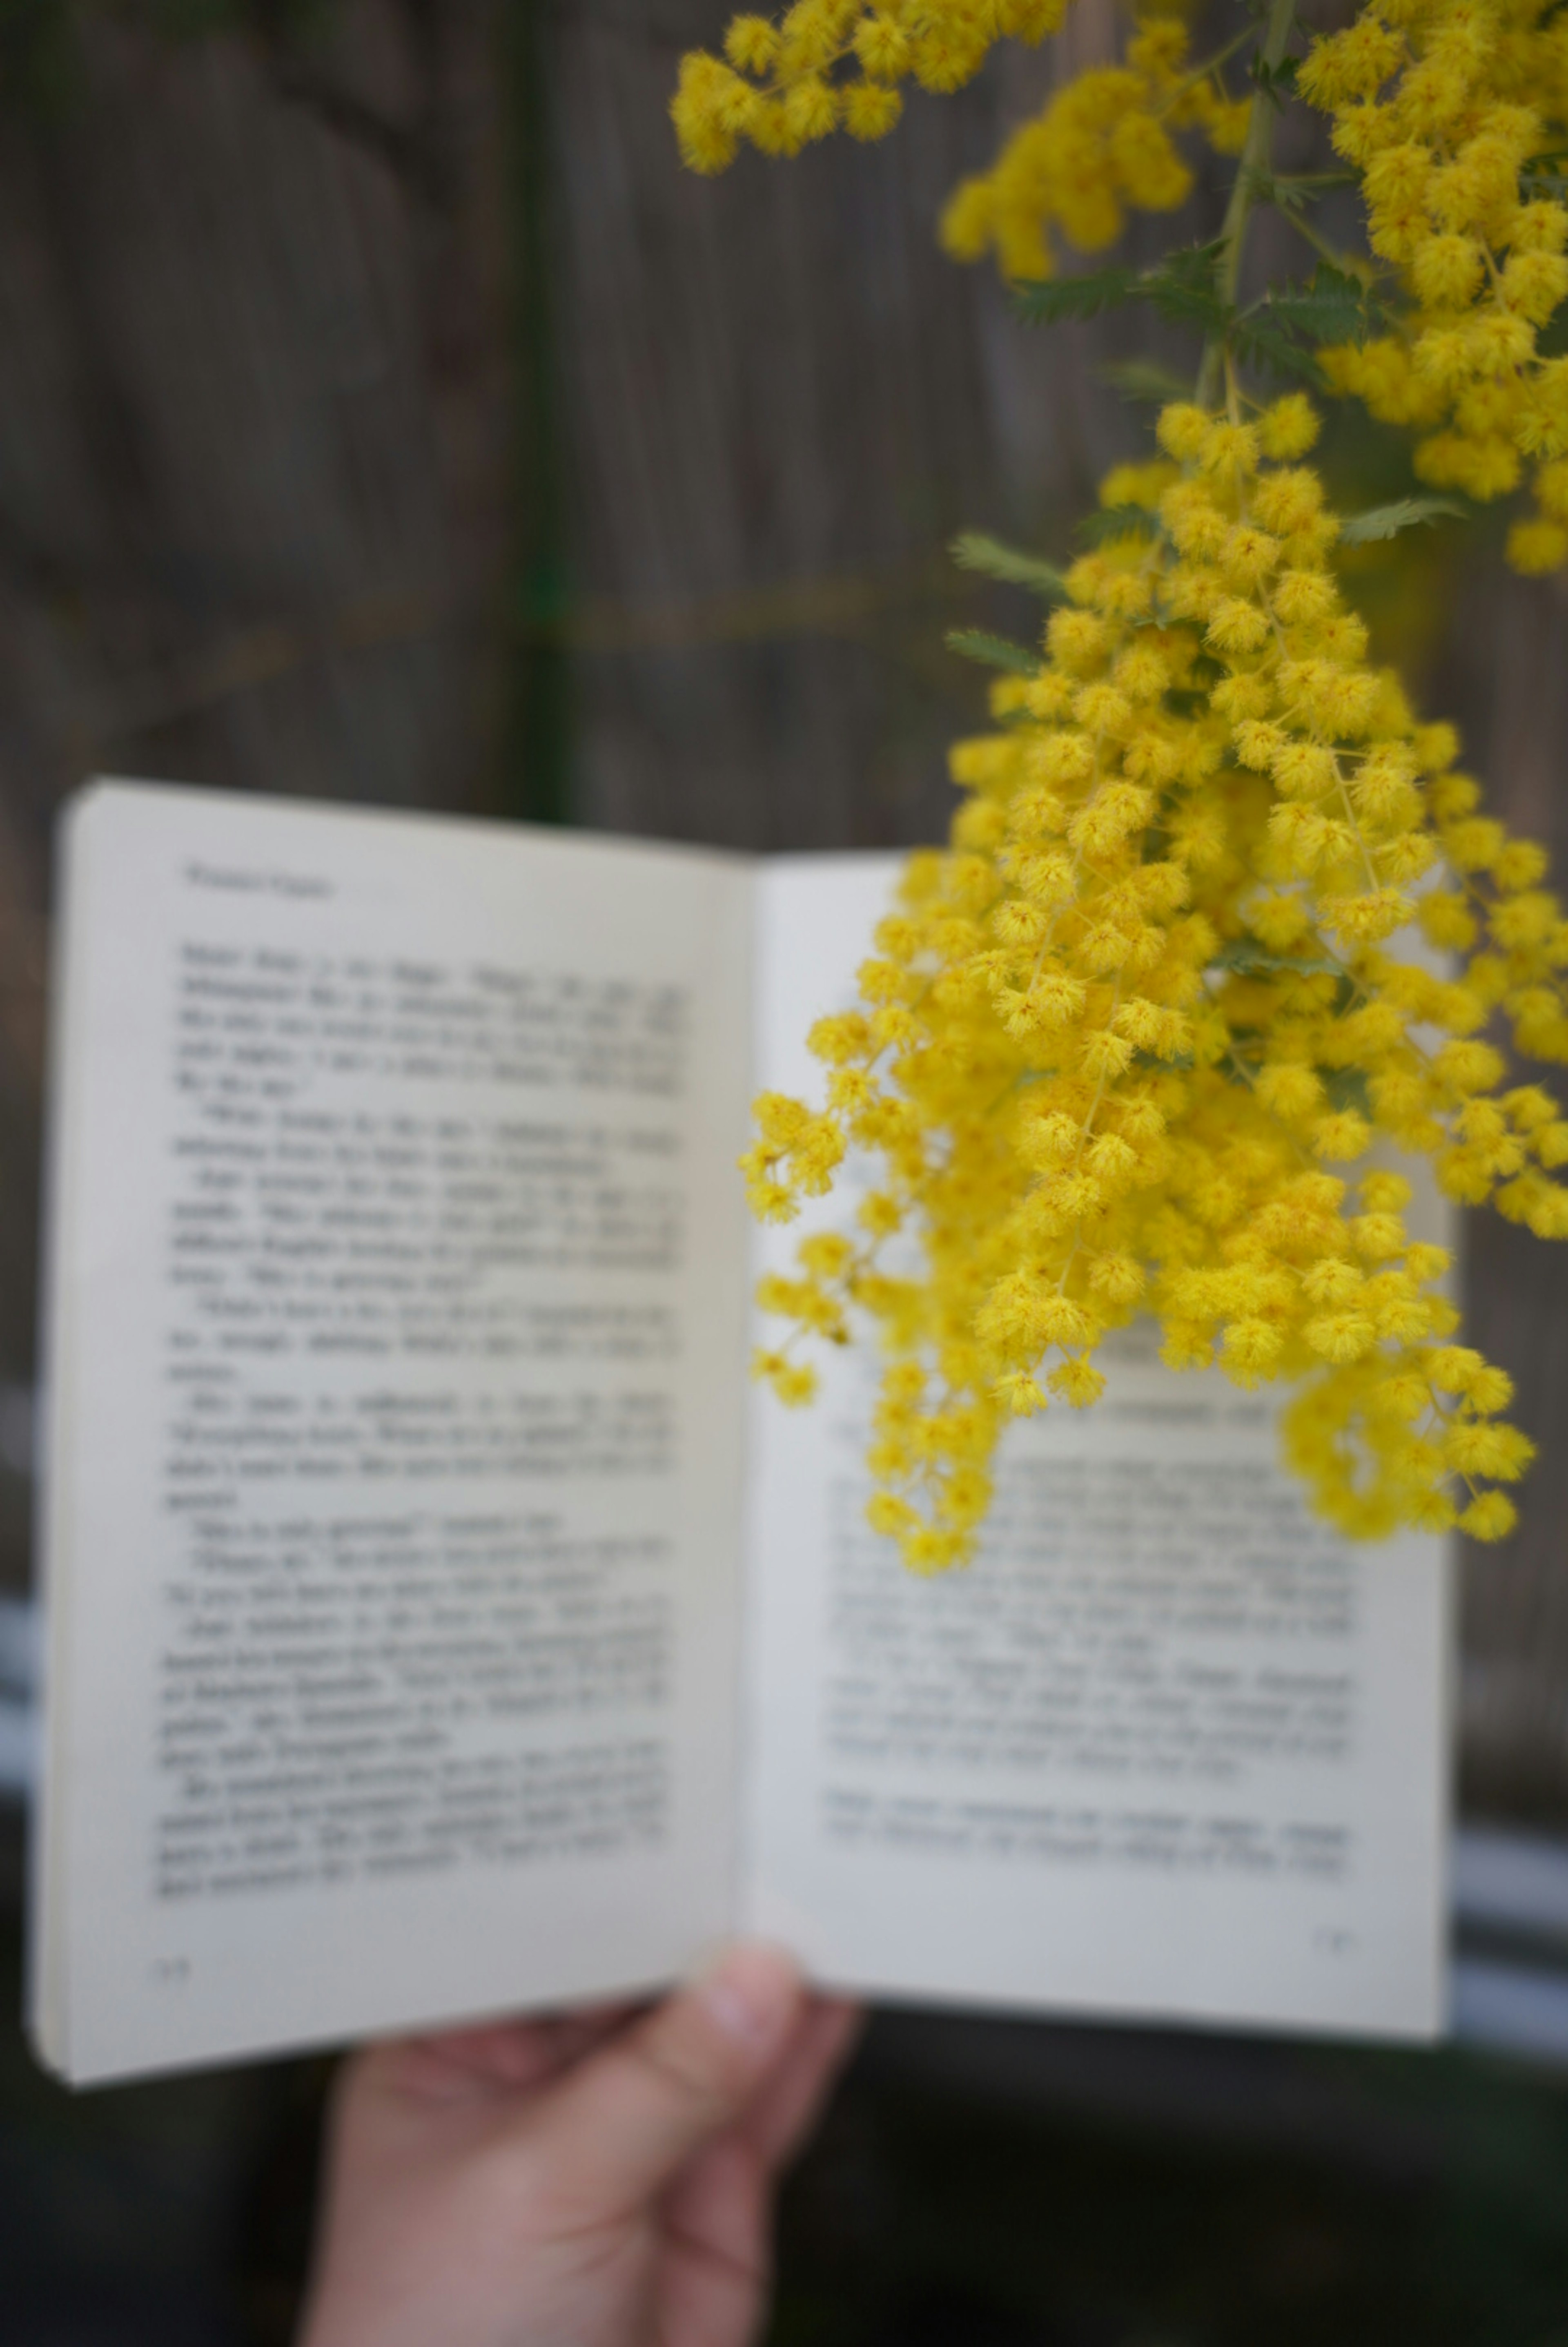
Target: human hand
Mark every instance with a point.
(604, 2179)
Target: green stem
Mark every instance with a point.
(1320, 244)
(1208, 68)
(1254, 165)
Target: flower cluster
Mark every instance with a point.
(832, 64)
(1131, 1043)
(1102, 144)
(1441, 106)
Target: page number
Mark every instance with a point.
(170, 1971)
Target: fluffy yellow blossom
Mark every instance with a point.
(1441, 106)
(1136, 1042)
(1101, 146)
(1105, 145)
(828, 64)
(1148, 1033)
(1444, 110)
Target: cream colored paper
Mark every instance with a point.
(396, 1424)
(1168, 1749)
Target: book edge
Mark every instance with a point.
(46, 1990)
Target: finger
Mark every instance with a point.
(614, 2132)
(494, 2058)
(716, 2246)
(790, 2100)
(717, 2212)
(574, 2035)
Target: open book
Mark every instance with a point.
(439, 1624)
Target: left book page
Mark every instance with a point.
(395, 1306)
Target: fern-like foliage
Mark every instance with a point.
(972, 549)
(993, 651)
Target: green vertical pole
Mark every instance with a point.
(536, 755)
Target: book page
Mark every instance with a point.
(397, 1299)
(1170, 1748)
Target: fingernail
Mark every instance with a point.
(751, 1991)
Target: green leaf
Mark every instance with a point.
(1270, 346)
(993, 651)
(1278, 83)
(1141, 379)
(1251, 960)
(1182, 287)
(1347, 1088)
(1111, 522)
(1284, 195)
(1045, 301)
(1278, 331)
(1185, 287)
(1543, 180)
(1334, 307)
(1387, 521)
(971, 550)
(1292, 192)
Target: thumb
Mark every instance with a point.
(616, 2131)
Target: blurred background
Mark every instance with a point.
(385, 417)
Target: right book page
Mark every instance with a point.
(1170, 1749)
